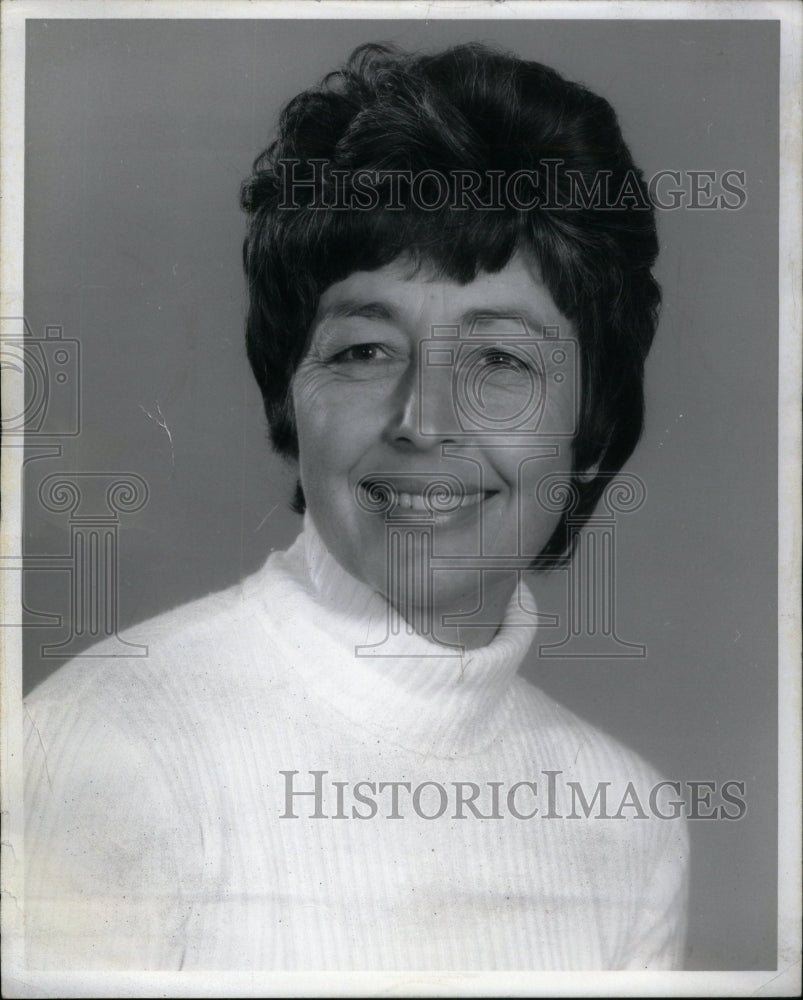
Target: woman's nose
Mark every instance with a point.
(423, 413)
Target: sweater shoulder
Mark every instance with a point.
(194, 651)
(570, 742)
(595, 774)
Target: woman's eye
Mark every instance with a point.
(502, 360)
(360, 353)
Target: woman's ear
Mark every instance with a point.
(585, 476)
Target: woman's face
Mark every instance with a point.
(411, 380)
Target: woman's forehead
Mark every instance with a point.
(403, 290)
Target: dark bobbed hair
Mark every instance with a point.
(466, 108)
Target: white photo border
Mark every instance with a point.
(785, 979)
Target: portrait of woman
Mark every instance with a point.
(383, 742)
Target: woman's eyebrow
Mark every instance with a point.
(387, 311)
(350, 308)
(514, 314)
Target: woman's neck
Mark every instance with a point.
(469, 619)
(368, 664)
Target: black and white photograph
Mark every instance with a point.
(401, 478)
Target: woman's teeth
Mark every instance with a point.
(415, 501)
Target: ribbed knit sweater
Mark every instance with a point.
(165, 829)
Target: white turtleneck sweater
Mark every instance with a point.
(165, 829)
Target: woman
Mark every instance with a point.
(334, 765)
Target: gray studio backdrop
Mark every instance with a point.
(138, 134)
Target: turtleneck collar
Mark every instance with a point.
(353, 650)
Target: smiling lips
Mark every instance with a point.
(439, 496)
(445, 501)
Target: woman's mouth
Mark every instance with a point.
(438, 498)
(445, 503)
